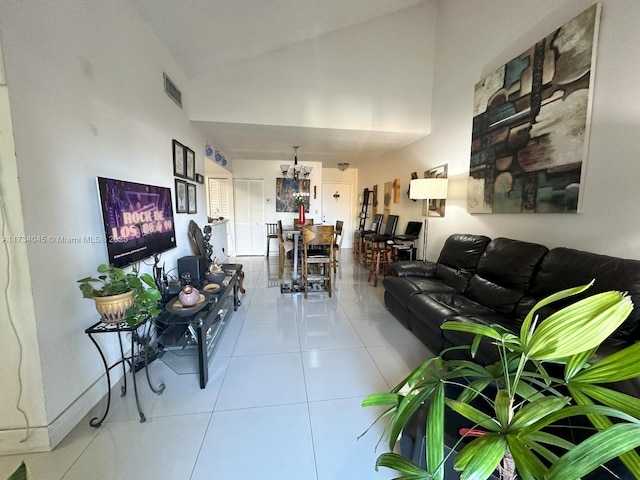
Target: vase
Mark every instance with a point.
(301, 218)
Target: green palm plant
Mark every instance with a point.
(513, 429)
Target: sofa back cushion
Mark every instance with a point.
(504, 273)
(458, 259)
(564, 268)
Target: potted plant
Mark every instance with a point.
(511, 429)
(122, 296)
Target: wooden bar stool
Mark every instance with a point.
(381, 258)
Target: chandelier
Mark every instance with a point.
(295, 171)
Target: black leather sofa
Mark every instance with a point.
(477, 279)
(486, 281)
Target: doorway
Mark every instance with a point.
(336, 205)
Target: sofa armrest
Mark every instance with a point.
(414, 268)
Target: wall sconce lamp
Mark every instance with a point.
(343, 166)
(336, 195)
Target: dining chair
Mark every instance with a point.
(317, 256)
(284, 247)
(337, 247)
(272, 233)
(296, 223)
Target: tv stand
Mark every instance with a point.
(198, 334)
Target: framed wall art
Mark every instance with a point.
(192, 206)
(286, 191)
(432, 207)
(190, 164)
(388, 191)
(181, 196)
(531, 125)
(179, 164)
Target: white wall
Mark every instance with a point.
(86, 94)
(344, 80)
(473, 39)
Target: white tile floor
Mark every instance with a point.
(282, 402)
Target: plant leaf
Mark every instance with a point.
(407, 407)
(484, 458)
(525, 329)
(503, 408)
(596, 450)
(577, 362)
(381, 399)
(471, 328)
(611, 398)
(435, 434)
(619, 366)
(536, 410)
(401, 464)
(576, 410)
(529, 466)
(571, 330)
(476, 416)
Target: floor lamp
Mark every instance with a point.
(427, 189)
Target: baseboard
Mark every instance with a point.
(78, 410)
(45, 439)
(15, 442)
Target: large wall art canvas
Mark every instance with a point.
(287, 189)
(531, 123)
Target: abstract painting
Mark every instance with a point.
(531, 123)
(287, 189)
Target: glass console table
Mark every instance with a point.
(198, 334)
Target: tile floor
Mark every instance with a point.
(282, 402)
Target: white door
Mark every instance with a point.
(248, 199)
(336, 205)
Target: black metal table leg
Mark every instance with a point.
(161, 386)
(94, 422)
(135, 384)
(123, 388)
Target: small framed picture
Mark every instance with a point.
(181, 196)
(190, 156)
(199, 178)
(179, 164)
(191, 198)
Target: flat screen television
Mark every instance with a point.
(138, 220)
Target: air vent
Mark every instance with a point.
(170, 89)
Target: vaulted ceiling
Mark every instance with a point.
(347, 80)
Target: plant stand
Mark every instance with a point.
(137, 359)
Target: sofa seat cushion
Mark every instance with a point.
(402, 288)
(438, 307)
(504, 273)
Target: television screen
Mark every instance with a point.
(138, 220)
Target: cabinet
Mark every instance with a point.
(193, 339)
